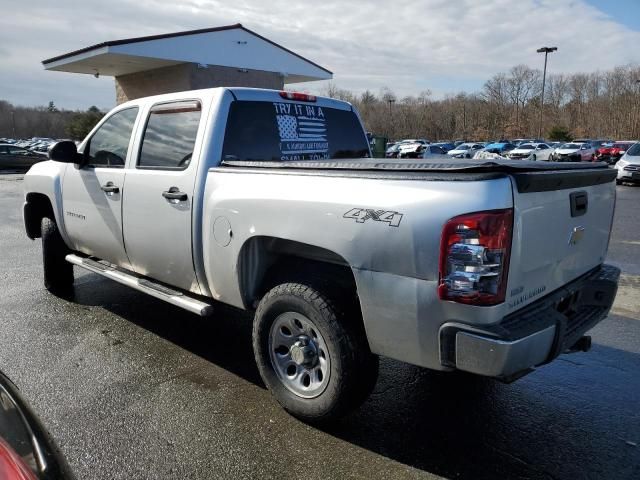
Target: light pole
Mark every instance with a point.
(546, 51)
(13, 123)
(637, 119)
(390, 100)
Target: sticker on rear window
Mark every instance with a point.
(303, 131)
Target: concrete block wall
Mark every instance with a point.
(189, 76)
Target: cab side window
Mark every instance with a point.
(109, 145)
(170, 135)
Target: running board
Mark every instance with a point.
(157, 290)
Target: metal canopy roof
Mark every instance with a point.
(228, 46)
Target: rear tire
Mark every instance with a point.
(618, 182)
(58, 273)
(295, 316)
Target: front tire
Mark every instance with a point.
(58, 273)
(312, 352)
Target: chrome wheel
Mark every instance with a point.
(299, 355)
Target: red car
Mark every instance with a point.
(611, 154)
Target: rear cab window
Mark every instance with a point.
(285, 131)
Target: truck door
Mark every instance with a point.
(158, 201)
(92, 193)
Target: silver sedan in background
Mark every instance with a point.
(531, 151)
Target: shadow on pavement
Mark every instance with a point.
(223, 339)
(575, 418)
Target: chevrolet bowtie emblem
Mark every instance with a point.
(576, 235)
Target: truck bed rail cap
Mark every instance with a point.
(418, 165)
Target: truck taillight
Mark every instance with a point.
(301, 97)
(474, 257)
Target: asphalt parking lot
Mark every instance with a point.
(131, 387)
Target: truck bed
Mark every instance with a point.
(529, 176)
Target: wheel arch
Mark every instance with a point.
(36, 207)
(265, 261)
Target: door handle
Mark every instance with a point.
(175, 194)
(109, 188)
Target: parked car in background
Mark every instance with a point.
(392, 151)
(573, 152)
(629, 165)
(533, 151)
(430, 151)
(612, 153)
(520, 141)
(406, 145)
(500, 147)
(594, 143)
(17, 158)
(446, 146)
(418, 150)
(465, 150)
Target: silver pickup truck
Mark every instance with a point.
(269, 201)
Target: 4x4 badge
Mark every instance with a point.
(361, 215)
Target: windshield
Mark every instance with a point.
(285, 131)
(634, 150)
(621, 146)
(570, 146)
(526, 146)
(464, 146)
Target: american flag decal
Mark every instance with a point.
(301, 128)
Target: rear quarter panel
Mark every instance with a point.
(395, 267)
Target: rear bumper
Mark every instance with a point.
(535, 335)
(572, 157)
(610, 159)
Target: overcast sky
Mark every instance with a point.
(409, 46)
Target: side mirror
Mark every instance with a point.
(65, 152)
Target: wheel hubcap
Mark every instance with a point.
(299, 355)
(304, 352)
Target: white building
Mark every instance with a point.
(222, 56)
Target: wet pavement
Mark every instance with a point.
(131, 387)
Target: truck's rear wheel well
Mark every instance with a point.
(38, 206)
(265, 262)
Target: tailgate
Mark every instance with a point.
(562, 222)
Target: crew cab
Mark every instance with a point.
(269, 201)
